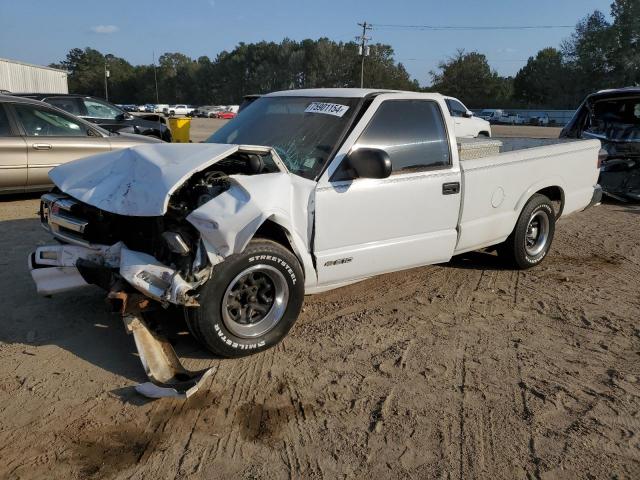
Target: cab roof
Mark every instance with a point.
(332, 92)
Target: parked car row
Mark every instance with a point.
(39, 131)
(105, 114)
(36, 136)
(499, 116)
(215, 111)
(204, 111)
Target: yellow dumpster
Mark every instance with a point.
(180, 127)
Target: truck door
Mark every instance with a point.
(365, 227)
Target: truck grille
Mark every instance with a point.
(58, 215)
(75, 222)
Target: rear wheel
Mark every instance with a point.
(251, 302)
(533, 234)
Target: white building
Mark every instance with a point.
(20, 77)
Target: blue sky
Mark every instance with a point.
(43, 31)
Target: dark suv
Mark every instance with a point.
(105, 114)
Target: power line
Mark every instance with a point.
(465, 27)
(491, 60)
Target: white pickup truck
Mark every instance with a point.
(304, 191)
(176, 110)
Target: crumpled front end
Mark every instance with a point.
(127, 226)
(60, 268)
(111, 251)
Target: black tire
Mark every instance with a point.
(213, 323)
(532, 236)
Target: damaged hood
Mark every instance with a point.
(136, 181)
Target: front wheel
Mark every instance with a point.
(532, 236)
(251, 302)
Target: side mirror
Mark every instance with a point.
(124, 116)
(467, 114)
(368, 163)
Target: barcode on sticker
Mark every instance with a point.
(334, 109)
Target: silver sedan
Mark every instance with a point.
(35, 137)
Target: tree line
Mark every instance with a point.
(598, 54)
(252, 68)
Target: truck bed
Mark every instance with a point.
(495, 185)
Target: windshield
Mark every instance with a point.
(303, 130)
(615, 119)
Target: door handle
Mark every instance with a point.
(450, 188)
(42, 146)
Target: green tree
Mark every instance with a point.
(86, 71)
(248, 68)
(587, 53)
(542, 82)
(625, 42)
(469, 77)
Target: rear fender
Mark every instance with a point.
(553, 181)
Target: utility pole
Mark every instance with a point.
(364, 48)
(155, 78)
(107, 73)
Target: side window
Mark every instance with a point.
(412, 132)
(97, 109)
(5, 127)
(456, 108)
(42, 122)
(68, 104)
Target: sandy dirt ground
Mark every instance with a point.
(463, 370)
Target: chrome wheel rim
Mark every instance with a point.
(537, 233)
(255, 301)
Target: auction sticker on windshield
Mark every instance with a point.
(334, 109)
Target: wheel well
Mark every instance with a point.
(275, 232)
(484, 134)
(556, 195)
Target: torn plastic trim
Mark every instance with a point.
(167, 376)
(53, 267)
(52, 280)
(164, 284)
(54, 270)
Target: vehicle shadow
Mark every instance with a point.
(479, 260)
(79, 322)
(626, 207)
(16, 197)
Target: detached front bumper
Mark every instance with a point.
(60, 268)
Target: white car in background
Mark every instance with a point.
(491, 115)
(465, 123)
(180, 109)
(514, 119)
(542, 120)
